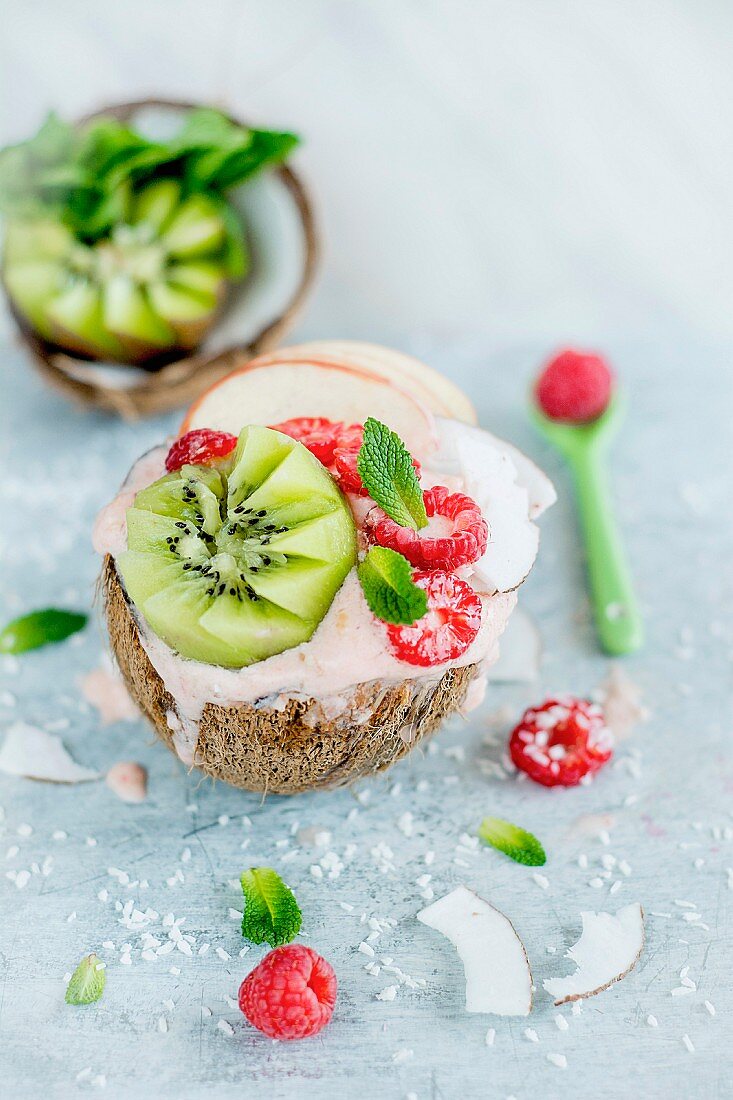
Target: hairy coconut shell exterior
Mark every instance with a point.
(294, 748)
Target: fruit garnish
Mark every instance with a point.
(514, 842)
(40, 628)
(574, 387)
(498, 977)
(231, 564)
(457, 537)
(447, 628)
(86, 984)
(386, 580)
(316, 433)
(560, 742)
(291, 994)
(387, 472)
(122, 247)
(271, 913)
(199, 447)
(608, 949)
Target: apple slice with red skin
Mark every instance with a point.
(272, 389)
(430, 387)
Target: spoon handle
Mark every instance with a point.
(618, 619)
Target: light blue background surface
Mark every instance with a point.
(493, 180)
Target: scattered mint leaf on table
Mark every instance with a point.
(514, 842)
(39, 628)
(386, 579)
(87, 983)
(386, 469)
(271, 913)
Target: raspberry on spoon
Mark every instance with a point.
(448, 627)
(457, 537)
(198, 448)
(574, 387)
(562, 741)
(291, 994)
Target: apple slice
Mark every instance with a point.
(498, 977)
(435, 391)
(608, 949)
(269, 391)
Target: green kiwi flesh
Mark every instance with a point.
(232, 563)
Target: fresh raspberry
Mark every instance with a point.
(344, 460)
(199, 447)
(447, 628)
(290, 994)
(457, 537)
(316, 433)
(574, 386)
(561, 741)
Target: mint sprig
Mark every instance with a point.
(386, 469)
(514, 842)
(386, 579)
(86, 984)
(271, 913)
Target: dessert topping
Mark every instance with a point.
(562, 741)
(518, 844)
(271, 913)
(457, 537)
(199, 448)
(448, 627)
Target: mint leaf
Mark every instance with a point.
(39, 628)
(386, 578)
(271, 913)
(386, 469)
(87, 983)
(514, 842)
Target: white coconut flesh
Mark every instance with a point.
(491, 477)
(608, 949)
(35, 754)
(498, 977)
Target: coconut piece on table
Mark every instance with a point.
(33, 753)
(608, 949)
(498, 976)
(520, 648)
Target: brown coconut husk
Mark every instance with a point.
(294, 749)
(179, 382)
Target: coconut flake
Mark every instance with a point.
(35, 754)
(498, 977)
(608, 949)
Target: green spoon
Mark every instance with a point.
(585, 446)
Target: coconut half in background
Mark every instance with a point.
(252, 318)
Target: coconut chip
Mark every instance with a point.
(498, 977)
(33, 753)
(608, 949)
(520, 648)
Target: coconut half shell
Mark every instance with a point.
(291, 749)
(271, 304)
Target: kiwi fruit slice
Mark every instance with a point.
(234, 562)
(153, 284)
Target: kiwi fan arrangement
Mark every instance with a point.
(293, 597)
(126, 242)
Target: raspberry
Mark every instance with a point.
(344, 460)
(561, 741)
(460, 537)
(447, 628)
(316, 433)
(574, 386)
(290, 994)
(199, 447)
